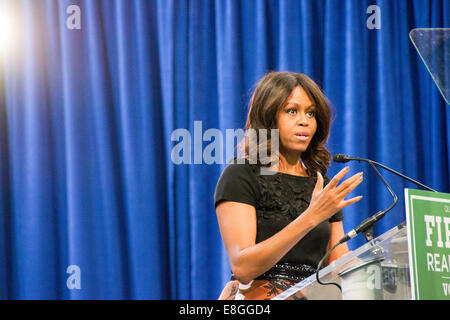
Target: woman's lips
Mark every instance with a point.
(302, 136)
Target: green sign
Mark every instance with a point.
(428, 221)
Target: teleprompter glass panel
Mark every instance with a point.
(433, 46)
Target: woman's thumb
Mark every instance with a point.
(319, 183)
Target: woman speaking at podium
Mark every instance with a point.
(276, 227)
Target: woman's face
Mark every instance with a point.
(296, 122)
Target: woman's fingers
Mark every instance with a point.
(333, 182)
(334, 195)
(350, 201)
(350, 184)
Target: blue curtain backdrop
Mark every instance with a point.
(86, 117)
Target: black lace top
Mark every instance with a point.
(278, 199)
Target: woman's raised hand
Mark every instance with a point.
(325, 202)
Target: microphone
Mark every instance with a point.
(343, 158)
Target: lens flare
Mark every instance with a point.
(7, 27)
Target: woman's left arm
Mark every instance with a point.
(337, 232)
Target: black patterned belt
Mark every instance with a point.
(287, 271)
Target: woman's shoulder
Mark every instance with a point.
(237, 182)
(240, 167)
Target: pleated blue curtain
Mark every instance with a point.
(87, 115)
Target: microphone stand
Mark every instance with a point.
(367, 229)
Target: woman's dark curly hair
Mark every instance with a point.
(270, 96)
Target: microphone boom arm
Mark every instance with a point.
(394, 172)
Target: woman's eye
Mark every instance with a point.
(291, 111)
(311, 114)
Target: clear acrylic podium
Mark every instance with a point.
(378, 270)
